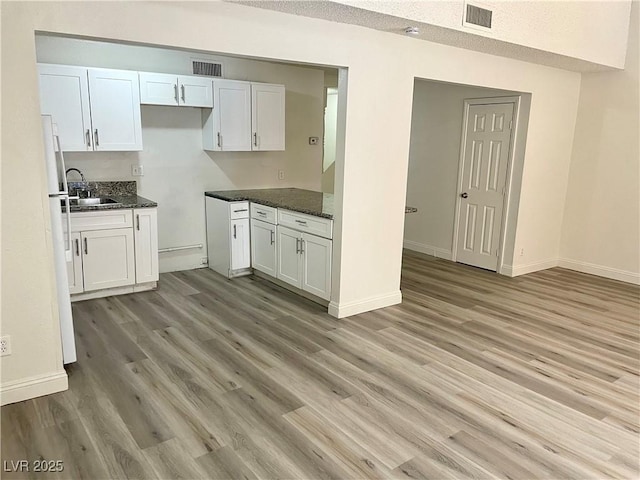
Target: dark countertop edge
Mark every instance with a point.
(140, 202)
(262, 201)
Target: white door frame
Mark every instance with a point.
(515, 100)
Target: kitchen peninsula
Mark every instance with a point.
(283, 234)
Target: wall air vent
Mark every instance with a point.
(477, 17)
(210, 69)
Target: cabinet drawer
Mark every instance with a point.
(238, 210)
(264, 213)
(100, 220)
(320, 226)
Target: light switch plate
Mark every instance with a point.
(137, 171)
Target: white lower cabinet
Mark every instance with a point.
(113, 248)
(228, 237)
(304, 261)
(240, 249)
(107, 258)
(146, 244)
(263, 247)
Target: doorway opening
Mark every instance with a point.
(465, 169)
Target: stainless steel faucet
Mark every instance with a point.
(74, 170)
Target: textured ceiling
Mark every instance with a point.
(337, 12)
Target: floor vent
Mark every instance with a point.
(210, 69)
(477, 17)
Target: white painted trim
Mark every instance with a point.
(517, 270)
(600, 270)
(341, 310)
(515, 100)
(24, 389)
(427, 249)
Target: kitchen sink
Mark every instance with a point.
(93, 201)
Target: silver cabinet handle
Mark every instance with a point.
(297, 245)
(138, 221)
(301, 246)
(95, 137)
(219, 140)
(88, 134)
(86, 247)
(182, 88)
(262, 214)
(301, 222)
(175, 91)
(241, 210)
(77, 247)
(234, 232)
(273, 237)
(255, 139)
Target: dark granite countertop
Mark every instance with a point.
(124, 201)
(295, 199)
(124, 193)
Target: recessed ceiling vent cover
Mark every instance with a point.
(477, 17)
(210, 69)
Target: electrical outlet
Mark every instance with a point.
(280, 174)
(137, 170)
(5, 345)
(204, 260)
(313, 140)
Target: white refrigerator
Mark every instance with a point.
(62, 251)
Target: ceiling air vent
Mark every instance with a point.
(210, 69)
(477, 17)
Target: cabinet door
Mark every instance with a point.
(267, 117)
(74, 267)
(316, 258)
(108, 258)
(145, 236)
(289, 259)
(158, 88)
(195, 91)
(263, 247)
(115, 110)
(64, 94)
(232, 114)
(240, 245)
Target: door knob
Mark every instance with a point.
(464, 195)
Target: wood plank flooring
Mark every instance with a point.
(474, 376)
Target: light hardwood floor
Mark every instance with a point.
(474, 376)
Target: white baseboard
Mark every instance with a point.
(600, 270)
(428, 249)
(25, 389)
(341, 310)
(514, 271)
(109, 292)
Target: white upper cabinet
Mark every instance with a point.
(115, 110)
(94, 109)
(64, 94)
(175, 90)
(267, 116)
(246, 116)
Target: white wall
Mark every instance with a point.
(601, 228)
(371, 168)
(177, 170)
(595, 31)
(434, 156)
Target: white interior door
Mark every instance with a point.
(482, 190)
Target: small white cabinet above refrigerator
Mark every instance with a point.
(228, 237)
